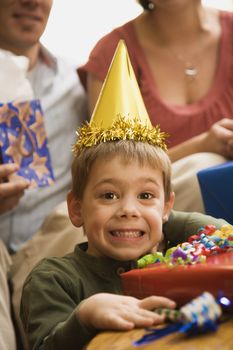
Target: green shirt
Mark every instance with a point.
(56, 286)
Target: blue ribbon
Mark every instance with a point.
(189, 329)
(154, 334)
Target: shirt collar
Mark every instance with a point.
(104, 264)
(48, 58)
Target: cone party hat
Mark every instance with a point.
(120, 113)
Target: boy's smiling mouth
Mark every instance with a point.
(127, 233)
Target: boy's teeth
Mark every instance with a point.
(126, 234)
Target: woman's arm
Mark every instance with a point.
(218, 139)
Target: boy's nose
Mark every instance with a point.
(128, 209)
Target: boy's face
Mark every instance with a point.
(122, 209)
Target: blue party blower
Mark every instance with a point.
(216, 185)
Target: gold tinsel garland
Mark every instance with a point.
(90, 134)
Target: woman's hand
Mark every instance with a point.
(11, 187)
(118, 312)
(219, 139)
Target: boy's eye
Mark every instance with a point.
(146, 195)
(110, 195)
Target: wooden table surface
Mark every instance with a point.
(222, 339)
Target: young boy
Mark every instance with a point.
(121, 194)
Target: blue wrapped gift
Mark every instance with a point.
(216, 185)
(23, 141)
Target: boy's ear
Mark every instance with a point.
(74, 209)
(168, 207)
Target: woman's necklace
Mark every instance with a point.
(191, 70)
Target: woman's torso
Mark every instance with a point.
(181, 120)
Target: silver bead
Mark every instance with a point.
(151, 6)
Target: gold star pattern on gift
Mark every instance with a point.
(38, 129)
(25, 111)
(13, 149)
(6, 114)
(39, 165)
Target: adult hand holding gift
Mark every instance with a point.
(11, 187)
(23, 142)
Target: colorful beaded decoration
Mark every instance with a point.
(200, 315)
(206, 242)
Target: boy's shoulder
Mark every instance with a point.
(181, 225)
(61, 267)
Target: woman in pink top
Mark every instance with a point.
(182, 55)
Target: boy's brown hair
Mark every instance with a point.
(128, 151)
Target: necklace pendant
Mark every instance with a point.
(191, 72)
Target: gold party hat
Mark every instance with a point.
(120, 113)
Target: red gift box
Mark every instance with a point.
(182, 283)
